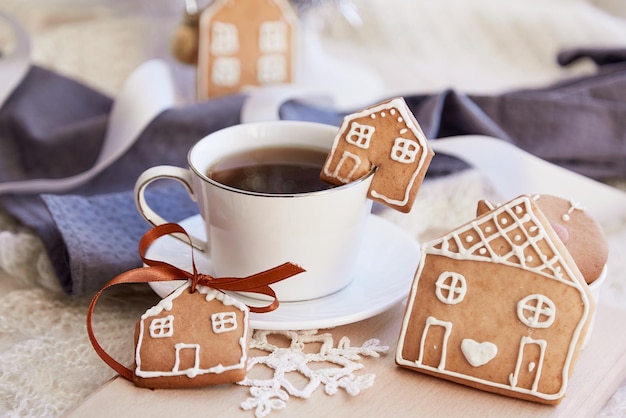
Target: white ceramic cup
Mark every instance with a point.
(250, 232)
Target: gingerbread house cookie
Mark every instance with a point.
(192, 339)
(245, 43)
(385, 136)
(498, 304)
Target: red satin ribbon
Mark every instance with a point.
(159, 271)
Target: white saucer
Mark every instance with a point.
(383, 274)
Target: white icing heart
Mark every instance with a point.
(478, 354)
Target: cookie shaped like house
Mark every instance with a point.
(388, 137)
(498, 304)
(198, 338)
(243, 43)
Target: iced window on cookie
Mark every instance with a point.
(272, 69)
(404, 150)
(451, 288)
(162, 327)
(223, 322)
(273, 37)
(536, 311)
(226, 71)
(224, 39)
(360, 135)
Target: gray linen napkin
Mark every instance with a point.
(52, 126)
(91, 233)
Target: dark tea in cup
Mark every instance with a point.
(272, 170)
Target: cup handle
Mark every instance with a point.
(183, 176)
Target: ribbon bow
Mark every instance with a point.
(162, 271)
(159, 271)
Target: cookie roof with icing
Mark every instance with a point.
(582, 235)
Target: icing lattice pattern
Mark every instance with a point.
(510, 234)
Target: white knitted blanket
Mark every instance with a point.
(47, 364)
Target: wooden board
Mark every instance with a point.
(600, 371)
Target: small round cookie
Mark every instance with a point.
(581, 234)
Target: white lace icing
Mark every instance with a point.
(338, 372)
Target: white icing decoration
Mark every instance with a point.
(531, 366)
(271, 68)
(513, 377)
(308, 362)
(224, 38)
(195, 369)
(162, 327)
(403, 131)
(273, 37)
(226, 71)
(451, 287)
(404, 150)
(392, 112)
(167, 304)
(573, 206)
(478, 354)
(223, 322)
(432, 321)
(360, 135)
(536, 311)
(469, 238)
(383, 114)
(400, 120)
(345, 157)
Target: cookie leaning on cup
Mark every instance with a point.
(386, 136)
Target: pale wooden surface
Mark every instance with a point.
(600, 370)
